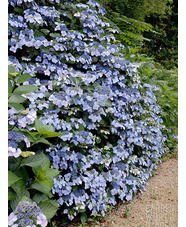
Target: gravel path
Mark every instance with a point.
(157, 207)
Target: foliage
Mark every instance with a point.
(151, 25)
(130, 31)
(167, 95)
(29, 175)
(105, 122)
(139, 9)
(130, 18)
(164, 43)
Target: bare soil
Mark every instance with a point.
(157, 207)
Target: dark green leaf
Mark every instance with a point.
(37, 186)
(13, 163)
(83, 218)
(45, 31)
(48, 208)
(24, 194)
(22, 173)
(37, 160)
(98, 140)
(39, 197)
(43, 141)
(12, 178)
(81, 128)
(18, 10)
(11, 194)
(38, 171)
(10, 87)
(18, 186)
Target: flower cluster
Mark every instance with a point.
(112, 133)
(13, 140)
(27, 214)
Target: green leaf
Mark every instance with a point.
(22, 195)
(18, 10)
(26, 133)
(22, 78)
(96, 84)
(13, 163)
(45, 31)
(51, 172)
(37, 160)
(22, 173)
(12, 70)
(12, 178)
(49, 208)
(38, 171)
(108, 102)
(40, 126)
(98, 140)
(46, 183)
(11, 194)
(43, 141)
(39, 197)
(81, 128)
(47, 134)
(83, 218)
(69, 15)
(37, 186)
(10, 87)
(18, 186)
(55, 35)
(37, 34)
(24, 89)
(16, 99)
(73, 80)
(17, 106)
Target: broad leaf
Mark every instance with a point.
(21, 196)
(18, 186)
(37, 186)
(37, 160)
(16, 99)
(43, 141)
(11, 194)
(51, 172)
(22, 78)
(12, 70)
(12, 178)
(39, 197)
(24, 89)
(45, 31)
(49, 208)
(17, 106)
(83, 218)
(10, 87)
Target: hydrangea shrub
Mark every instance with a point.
(83, 88)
